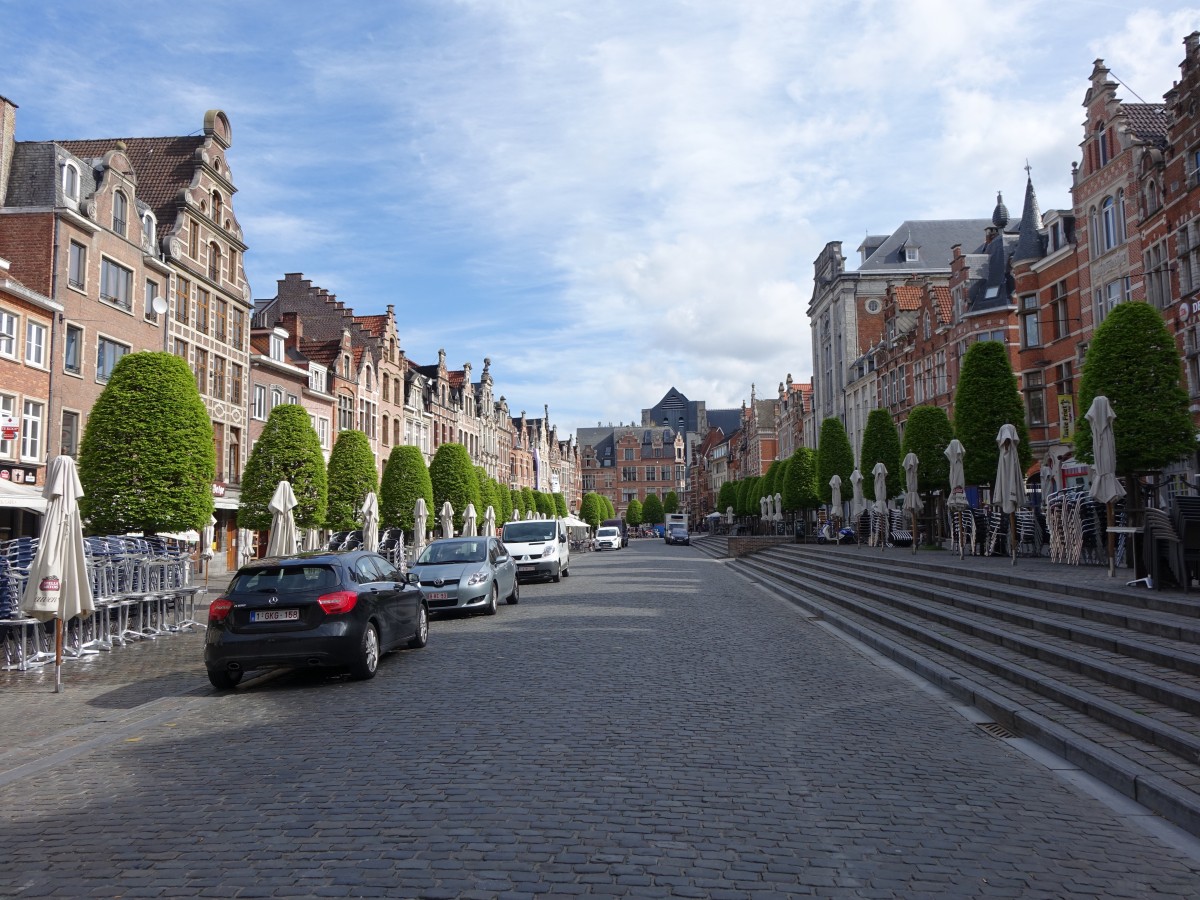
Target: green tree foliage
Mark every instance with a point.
(670, 502)
(727, 497)
(351, 476)
(453, 478)
(771, 483)
(610, 510)
(633, 512)
(517, 506)
(405, 478)
(987, 398)
(503, 503)
(147, 461)
(288, 450)
(928, 434)
(652, 510)
(487, 495)
(800, 485)
(560, 504)
(545, 504)
(746, 506)
(530, 500)
(835, 456)
(1134, 362)
(591, 510)
(881, 444)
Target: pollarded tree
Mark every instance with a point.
(405, 478)
(987, 399)
(881, 444)
(530, 500)
(545, 504)
(504, 497)
(800, 486)
(670, 502)
(560, 504)
(351, 476)
(517, 504)
(487, 497)
(288, 450)
(611, 511)
(147, 461)
(727, 497)
(835, 456)
(633, 512)
(652, 510)
(591, 509)
(453, 478)
(746, 505)
(928, 433)
(1134, 362)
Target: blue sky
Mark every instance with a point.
(606, 199)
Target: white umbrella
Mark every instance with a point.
(729, 515)
(1052, 477)
(370, 520)
(957, 501)
(489, 521)
(447, 520)
(420, 521)
(912, 496)
(881, 505)
(528, 515)
(835, 495)
(1105, 486)
(857, 503)
(245, 544)
(206, 538)
(778, 507)
(470, 517)
(58, 587)
(284, 537)
(1008, 491)
(762, 507)
(312, 539)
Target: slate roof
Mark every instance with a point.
(934, 237)
(728, 420)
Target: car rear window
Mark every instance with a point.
(285, 579)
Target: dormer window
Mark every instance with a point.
(70, 181)
(911, 254)
(276, 348)
(149, 228)
(120, 212)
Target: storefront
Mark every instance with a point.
(21, 503)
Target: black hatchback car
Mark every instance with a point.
(314, 609)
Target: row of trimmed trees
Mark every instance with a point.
(147, 463)
(1132, 360)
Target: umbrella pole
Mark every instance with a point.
(58, 644)
(1012, 536)
(1112, 550)
(915, 531)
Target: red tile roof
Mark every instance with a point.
(907, 296)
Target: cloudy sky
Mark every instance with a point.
(608, 199)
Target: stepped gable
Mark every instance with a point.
(943, 303)
(375, 326)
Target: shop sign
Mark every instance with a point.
(218, 489)
(8, 428)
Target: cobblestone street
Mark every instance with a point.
(651, 726)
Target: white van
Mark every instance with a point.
(608, 537)
(539, 547)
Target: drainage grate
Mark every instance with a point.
(995, 729)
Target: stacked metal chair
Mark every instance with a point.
(25, 638)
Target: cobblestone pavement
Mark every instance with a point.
(653, 726)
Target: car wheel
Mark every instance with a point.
(421, 638)
(567, 572)
(368, 660)
(493, 593)
(557, 576)
(515, 597)
(224, 679)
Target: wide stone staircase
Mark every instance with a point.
(1107, 678)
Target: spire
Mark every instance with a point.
(1029, 241)
(1000, 213)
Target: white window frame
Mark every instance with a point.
(316, 379)
(276, 348)
(8, 334)
(260, 402)
(8, 405)
(70, 181)
(276, 397)
(102, 376)
(35, 344)
(32, 413)
(115, 277)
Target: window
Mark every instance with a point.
(217, 377)
(233, 265)
(1094, 232)
(629, 473)
(70, 433)
(201, 370)
(1121, 216)
(108, 353)
(368, 418)
(1030, 333)
(233, 453)
(151, 296)
(323, 432)
(1108, 213)
(180, 349)
(345, 412)
(7, 407)
(214, 262)
(1102, 144)
(120, 212)
(276, 348)
(316, 379)
(292, 399)
(31, 430)
(1058, 310)
(276, 397)
(183, 297)
(1188, 251)
(385, 383)
(194, 240)
(35, 344)
(73, 350)
(627, 453)
(652, 473)
(260, 402)
(219, 451)
(70, 181)
(386, 429)
(116, 284)
(218, 207)
(77, 266)
(237, 329)
(1035, 399)
(1158, 278)
(149, 229)
(222, 311)
(235, 384)
(202, 300)
(8, 334)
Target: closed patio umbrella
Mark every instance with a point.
(245, 544)
(729, 515)
(880, 474)
(912, 496)
(284, 537)
(58, 587)
(447, 520)
(857, 501)
(1105, 486)
(312, 539)
(206, 544)
(370, 520)
(1009, 490)
(957, 500)
(835, 496)
(778, 507)
(489, 521)
(470, 518)
(420, 522)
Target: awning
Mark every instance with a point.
(16, 496)
(573, 522)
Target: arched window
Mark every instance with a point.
(70, 181)
(120, 212)
(1109, 213)
(1094, 231)
(1121, 216)
(385, 383)
(385, 430)
(214, 262)
(1151, 197)
(218, 205)
(149, 228)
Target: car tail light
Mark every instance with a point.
(218, 610)
(338, 602)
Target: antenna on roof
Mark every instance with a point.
(1124, 85)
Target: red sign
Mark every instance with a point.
(49, 583)
(8, 428)
(218, 490)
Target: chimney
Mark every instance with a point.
(8, 132)
(295, 328)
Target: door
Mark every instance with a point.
(231, 548)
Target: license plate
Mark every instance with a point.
(437, 595)
(526, 568)
(275, 615)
